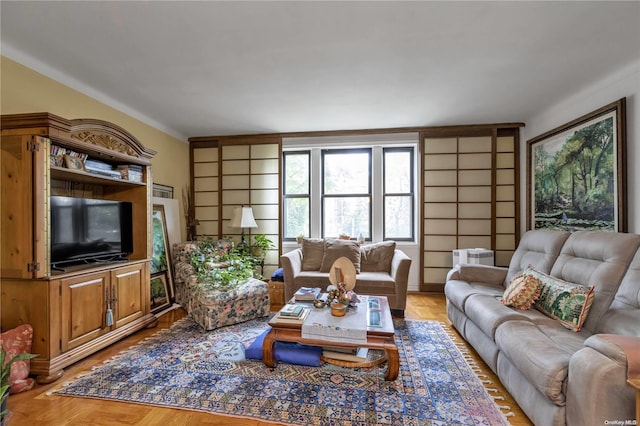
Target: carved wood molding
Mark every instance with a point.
(109, 136)
(104, 141)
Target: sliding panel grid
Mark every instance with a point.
(440, 205)
(250, 176)
(475, 194)
(265, 197)
(205, 191)
(469, 200)
(506, 223)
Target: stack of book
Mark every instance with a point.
(306, 294)
(132, 172)
(57, 153)
(290, 313)
(101, 168)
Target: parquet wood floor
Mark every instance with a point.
(35, 407)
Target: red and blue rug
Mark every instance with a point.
(187, 368)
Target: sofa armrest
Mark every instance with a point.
(597, 389)
(400, 265)
(492, 275)
(291, 268)
(622, 349)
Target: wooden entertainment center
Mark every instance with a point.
(83, 308)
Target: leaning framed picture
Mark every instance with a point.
(73, 163)
(159, 292)
(576, 173)
(160, 255)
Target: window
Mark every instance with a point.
(398, 193)
(346, 192)
(296, 197)
(333, 190)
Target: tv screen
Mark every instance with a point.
(89, 230)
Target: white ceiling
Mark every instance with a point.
(217, 68)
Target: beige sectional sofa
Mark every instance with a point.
(558, 376)
(382, 269)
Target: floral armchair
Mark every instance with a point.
(216, 288)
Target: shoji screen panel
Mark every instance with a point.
(440, 208)
(250, 176)
(507, 184)
(205, 190)
(469, 200)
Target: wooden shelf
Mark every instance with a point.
(80, 176)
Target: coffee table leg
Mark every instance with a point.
(267, 349)
(393, 363)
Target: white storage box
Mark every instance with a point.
(477, 256)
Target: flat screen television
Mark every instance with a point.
(86, 230)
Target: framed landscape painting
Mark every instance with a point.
(576, 174)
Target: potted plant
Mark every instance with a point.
(261, 244)
(5, 374)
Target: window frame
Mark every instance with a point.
(411, 194)
(324, 196)
(292, 196)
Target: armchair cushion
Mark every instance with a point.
(335, 249)
(312, 253)
(377, 257)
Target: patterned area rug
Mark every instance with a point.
(185, 367)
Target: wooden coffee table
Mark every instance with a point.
(380, 337)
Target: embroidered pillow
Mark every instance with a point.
(566, 302)
(18, 341)
(522, 292)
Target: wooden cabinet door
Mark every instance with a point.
(84, 308)
(24, 204)
(129, 298)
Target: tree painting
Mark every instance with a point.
(574, 178)
(159, 257)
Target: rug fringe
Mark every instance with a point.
(493, 392)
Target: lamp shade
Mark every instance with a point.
(243, 218)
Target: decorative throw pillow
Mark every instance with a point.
(335, 249)
(566, 302)
(377, 257)
(522, 292)
(18, 341)
(312, 253)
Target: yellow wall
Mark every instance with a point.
(23, 90)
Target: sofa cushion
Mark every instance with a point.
(540, 248)
(377, 257)
(597, 257)
(378, 283)
(488, 314)
(521, 292)
(335, 249)
(312, 254)
(541, 352)
(567, 302)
